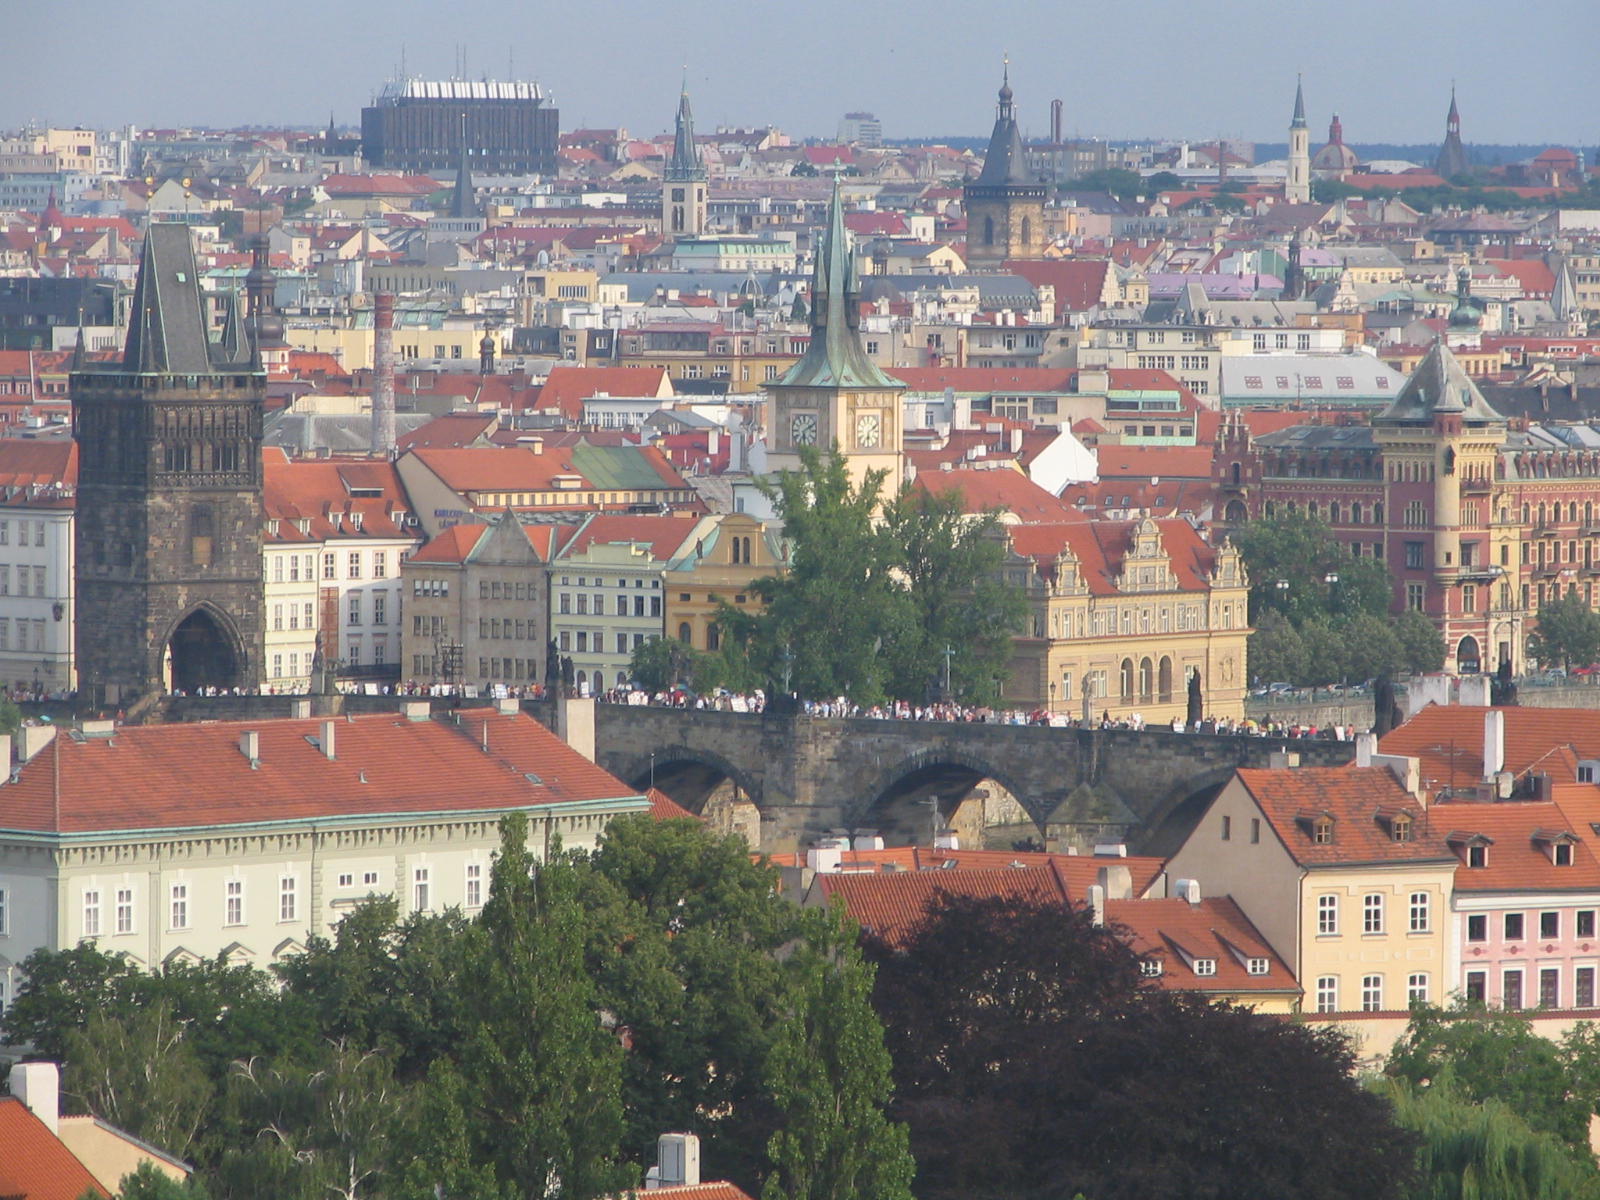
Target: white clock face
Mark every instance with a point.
(803, 429)
(869, 430)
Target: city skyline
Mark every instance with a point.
(1230, 70)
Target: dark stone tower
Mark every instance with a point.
(1005, 204)
(1452, 160)
(169, 511)
(683, 183)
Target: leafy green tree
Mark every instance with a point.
(147, 1183)
(1163, 181)
(662, 663)
(440, 1161)
(1473, 1150)
(1568, 633)
(62, 988)
(1301, 552)
(543, 1074)
(1422, 646)
(140, 1073)
(1486, 1055)
(831, 1080)
(950, 564)
(1277, 651)
(1115, 180)
(829, 619)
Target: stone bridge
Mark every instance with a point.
(808, 775)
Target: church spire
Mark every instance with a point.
(1298, 121)
(463, 201)
(685, 162)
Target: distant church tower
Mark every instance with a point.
(1452, 160)
(836, 396)
(1005, 203)
(683, 185)
(169, 510)
(1297, 183)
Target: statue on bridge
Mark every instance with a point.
(1503, 688)
(1197, 705)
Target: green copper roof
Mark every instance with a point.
(615, 467)
(836, 358)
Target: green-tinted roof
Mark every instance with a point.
(623, 468)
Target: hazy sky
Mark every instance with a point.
(1123, 68)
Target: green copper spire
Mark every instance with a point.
(1299, 119)
(685, 162)
(836, 357)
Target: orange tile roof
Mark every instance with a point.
(1448, 741)
(1177, 933)
(455, 542)
(568, 387)
(664, 808)
(1078, 282)
(452, 430)
(1076, 871)
(719, 1189)
(663, 533)
(1291, 799)
(1163, 462)
(1515, 861)
(184, 776)
(315, 490)
(999, 489)
(497, 469)
(38, 473)
(34, 1165)
(891, 906)
(1166, 498)
(1100, 547)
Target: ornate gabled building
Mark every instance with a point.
(1297, 182)
(683, 186)
(1452, 160)
(1005, 203)
(1122, 614)
(836, 396)
(169, 503)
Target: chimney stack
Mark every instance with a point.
(250, 746)
(677, 1162)
(1097, 904)
(383, 375)
(1494, 742)
(327, 740)
(1366, 744)
(38, 1086)
(1189, 889)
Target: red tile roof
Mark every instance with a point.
(1448, 741)
(719, 1189)
(1178, 933)
(1078, 282)
(1516, 861)
(568, 387)
(317, 490)
(1166, 498)
(38, 474)
(891, 906)
(664, 808)
(183, 776)
(451, 430)
(1163, 462)
(34, 1165)
(1292, 800)
(999, 489)
(663, 533)
(1101, 546)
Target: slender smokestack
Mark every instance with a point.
(383, 375)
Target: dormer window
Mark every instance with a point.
(1257, 966)
(1478, 855)
(1150, 968)
(355, 520)
(1205, 966)
(1561, 854)
(1322, 831)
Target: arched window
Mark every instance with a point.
(988, 231)
(1027, 232)
(1127, 679)
(1333, 512)
(582, 681)
(685, 634)
(622, 679)
(1234, 474)
(1165, 679)
(1377, 514)
(1355, 514)
(1146, 680)
(713, 637)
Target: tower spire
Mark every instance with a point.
(463, 202)
(1298, 121)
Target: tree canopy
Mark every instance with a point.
(1567, 633)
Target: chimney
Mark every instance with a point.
(1366, 744)
(575, 723)
(947, 839)
(1494, 742)
(5, 755)
(1115, 883)
(1097, 903)
(32, 739)
(250, 747)
(1283, 760)
(677, 1161)
(300, 708)
(827, 856)
(38, 1085)
(1016, 441)
(383, 375)
(536, 445)
(327, 740)
(1189, 889)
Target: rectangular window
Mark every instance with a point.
(1417, 988)
(419, 889)
(91, 914)
(234, 898)
(1255, 830)
(474, 885)
(1549, 925)
(180, 906)
(1419, 912)
(1583, 987)
(1372, 913)
(1477, 986)
(355, 564)
(369, 878)
(1511, 990)
(379, 609)
(1513, 927)
(1585, 922)
(328, 571)
(1549, 987)
(354, 613)
(1478, 928)
(1372, 993)
(1328, 994)
(1327, 915)
(1227, 828)
(288, 899)
(380, 565)
(124, 910)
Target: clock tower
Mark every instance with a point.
(836, 396)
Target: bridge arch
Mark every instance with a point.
(704, 782)
(1179, 810)
(900, 802)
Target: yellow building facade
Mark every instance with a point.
(1122, 614)
(731, 555)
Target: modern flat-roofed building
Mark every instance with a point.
(420, 125)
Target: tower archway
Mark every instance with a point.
(202, 653)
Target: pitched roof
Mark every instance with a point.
(34, 1165)
(568, 387)
(335, 499)
(662, 533)
(719, 1189)
(986, 379)
(183, 776)
(1439, 385)
(1178, 933)
(1293, 799)
(998, 489)
(1101, 546)
(167, 329)
(1164, 462)
(38, 473)
(891, 906)
(1519, 858)
(1078, 282)
(1447, 739)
